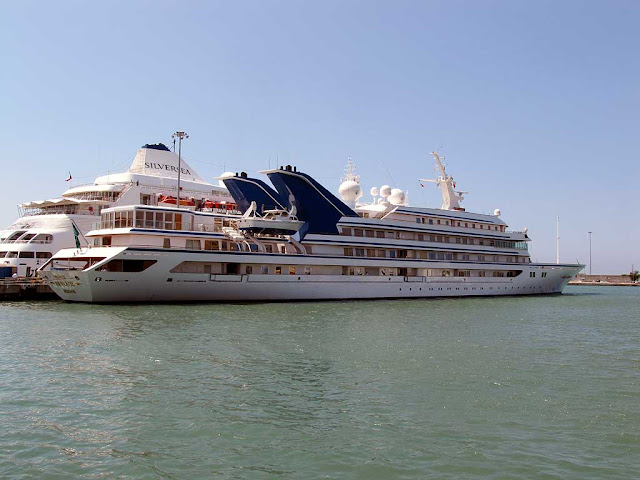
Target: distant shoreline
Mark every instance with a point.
(604, 284)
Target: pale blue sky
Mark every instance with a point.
(535, 104)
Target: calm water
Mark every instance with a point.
(544, 387)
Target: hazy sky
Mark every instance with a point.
(535, 104)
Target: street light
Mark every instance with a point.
(589, 253)
(179, 136)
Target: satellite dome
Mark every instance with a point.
(385, 191)
(223, 176)
(496, 212)
(374, 191)
(350, 192)
(396, 197)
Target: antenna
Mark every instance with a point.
(557, 240)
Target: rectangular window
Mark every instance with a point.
(481, 273)
(307, 270)
(278, 270)
(359, 252)
(431, 221)
(166, 243)
(249, 269)
(380, 233)
(420, 237)
(264, 269)
(369, 233)
(211, 245)
(292, 270)
(348, 252)
(346, 231)
(357, 232)
(268, 248)
(193, 244)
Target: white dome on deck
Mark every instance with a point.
(396, 197)
(350, 192)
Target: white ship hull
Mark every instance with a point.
(159, 284)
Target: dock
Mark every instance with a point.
(26, 288)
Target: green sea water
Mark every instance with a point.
(541, 387)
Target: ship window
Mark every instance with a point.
(26, 255)
(193, 244)
(126, 265)
(348, 252)
(178, 224)
(27, 237)
(420, 237)
(481, 273)
(392, 254)
(278, 270)
(544, 274)
(357, 232)
(382, 253)
(43, 255)
(139, 219)
(481, 258)
(15, 236)
(268, 248)
(307, 270)
(465, 257)
(106, 241)
(431, 221)
(371, 252)
(249, 269)
(418, 220)
(12, 254)
(265, 269)
(369, 233)
(211, 245)
(166, 243)
(43, 238)
(292, 270)
(532, 274)
(359, 252)
(148, 220)
(346, 231)
(380, 233)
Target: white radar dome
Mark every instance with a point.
(385, 191)
(496, 212)
(225, 175)
(374, 191)
(396, 197)
(350, 192)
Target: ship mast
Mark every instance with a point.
(451, 198)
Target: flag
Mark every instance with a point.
(76, 234)
(68, 179)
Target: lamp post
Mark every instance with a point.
(589, 253)
(179, 136)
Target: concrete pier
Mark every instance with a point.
(25, 288)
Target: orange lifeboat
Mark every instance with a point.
(186, 202)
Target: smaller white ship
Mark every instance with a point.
(46, 226)
(300, 242)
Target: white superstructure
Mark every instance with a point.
(385, 249)
(46, 226)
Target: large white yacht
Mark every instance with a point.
(340, 249)
(46, 226)
(299, 242)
